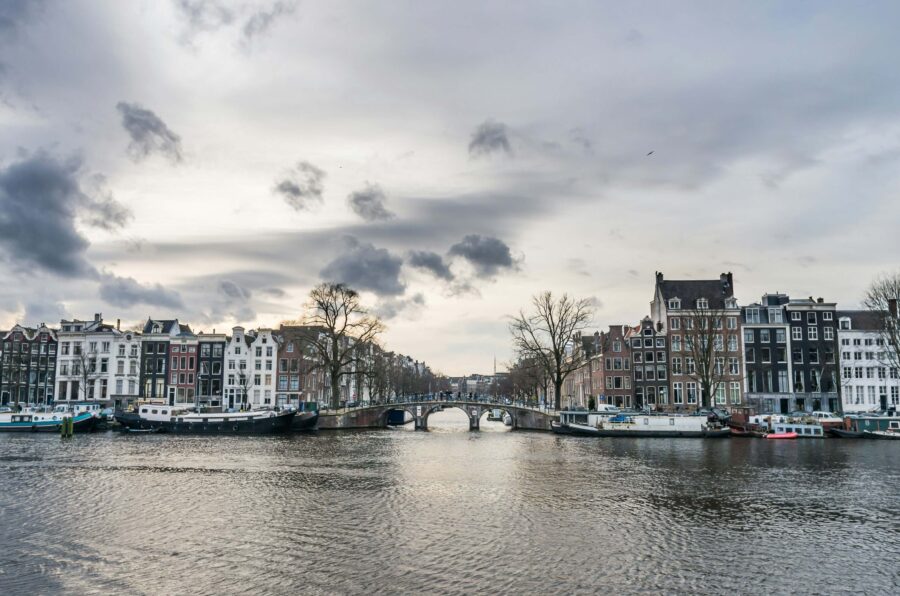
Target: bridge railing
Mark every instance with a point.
(413, 401)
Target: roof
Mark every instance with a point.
(165, 325)
(863, 320)
(688, 291)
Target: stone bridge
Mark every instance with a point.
(377, 416)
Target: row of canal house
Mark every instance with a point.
(91, 360)
(777, 355)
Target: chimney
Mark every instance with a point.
(820, 300)
(118, 324)
(659, 276)
(97, 317)
(892, 307)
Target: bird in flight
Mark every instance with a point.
(649, 154)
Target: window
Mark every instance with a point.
(796, 316)
(827, 316)
(812, 333)
(676, 366)
(732, 322)
(702, 303)
(692, 393)
(775, 315)
(689, 366)
(748, 336)
(764, 336)
(660, 342)
(828, 333)
(733, 366)
(675, 323)
(780, 336)
(677, 395)
(752, 315)
(811, 318)
(676, 343)
(766, 355)
(290, 347)
(674, 303)
(732, 343)
(750, 356)
(796, 333)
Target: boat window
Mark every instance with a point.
(143, 410)
(181, 420)
(646, 421)
(671, 422)
(153, 411)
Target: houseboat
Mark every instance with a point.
(871, 422)
(179, 420)
(806, 426)
(36, 421)
(892, 432)
(638, 425)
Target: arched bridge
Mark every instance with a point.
(377, 416)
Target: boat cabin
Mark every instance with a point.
(808, 431)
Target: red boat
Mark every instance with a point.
(790, 435)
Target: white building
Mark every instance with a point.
(97, 362)
(250, 358)
(868, 381)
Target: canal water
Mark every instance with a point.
(446, 512)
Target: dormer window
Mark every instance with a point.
(731, 303)
(845, 323)
(674, 304)
(702, 303)
(155, 329)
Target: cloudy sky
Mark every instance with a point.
(214, 160)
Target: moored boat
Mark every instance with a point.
(33, 421)
(782, 435)
(892, 432)
(178, 420)
(627, 425)
(845, 434)
(305, 420)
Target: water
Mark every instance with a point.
(446, 512)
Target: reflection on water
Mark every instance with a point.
(446, 512)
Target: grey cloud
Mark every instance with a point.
(49, 311)
(262, 19)
(274, 292)
(368, 203)
(301, 186)
(389, 308)
(205, 15)
(13, 13)
(149, 134)
(233, 290)
(365, 267)
(486, 254)
(489, 137)
(431, 261)
(40, 201)
(126, 292)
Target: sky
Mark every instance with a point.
(213, 161)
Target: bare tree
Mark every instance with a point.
(86, 367)
(545, 334)
(245, 382)
(882, 299)
(338, 322)
(704, 341)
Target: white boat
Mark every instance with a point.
(507, 419)
(646, 425)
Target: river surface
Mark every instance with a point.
(446, 512)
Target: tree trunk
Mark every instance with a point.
(335, 389)
(557, 389)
